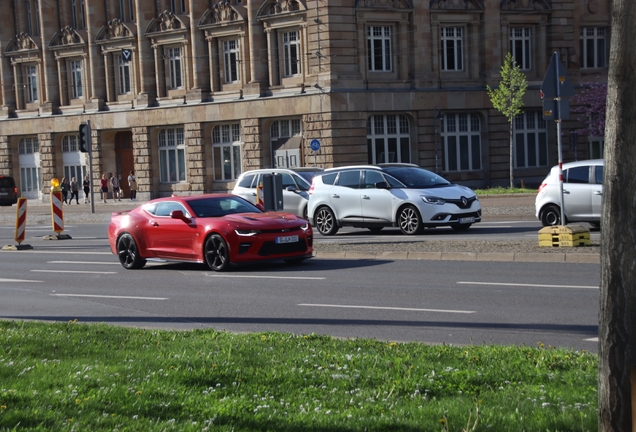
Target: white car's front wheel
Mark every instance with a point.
(326, 221)
(409, 220)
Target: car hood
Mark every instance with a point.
(446, 192)
(269, 220)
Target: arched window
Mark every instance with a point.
(461, 138)
(388, 139)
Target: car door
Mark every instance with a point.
(597, 191)
(344, 197)
(577, 195)
(294, 199)
(246, 188)
(167, 237)
(376, 203)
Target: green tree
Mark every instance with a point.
(508, 97)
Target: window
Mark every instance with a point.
(379, 48)
(291, 56)
(592, 47)
(226, 151)
(32, 83)
(69, 144)
(29, 17)
(231, 60)
(452, 56)
(388, 139)
(461, 141)
(171, 156)
(371, 178)
(579, 175)
(124, 75)
(74, 13)
(122, 10)
(82, 14)
(520, 47)
(28, 145)
(76, 79)
(285, 128)
(531, 140)
(350, 179)
(176, 73)
(596, 148)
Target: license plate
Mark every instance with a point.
(4, 193)
(467, 220)
(287, 239)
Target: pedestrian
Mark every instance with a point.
(87, 190)
(114, 183)
(74, 191)
(65, 187)
(132, 185)
(104, 185)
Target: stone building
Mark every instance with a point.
(190, 93)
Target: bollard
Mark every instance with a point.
(20, 226)
(57, 212)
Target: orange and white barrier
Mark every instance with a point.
(259, 194)
(20, 220)
(57, 212)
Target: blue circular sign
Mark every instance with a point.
(314, 144)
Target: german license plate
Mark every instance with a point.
(287, 239)
(466, 220)
(4, 193)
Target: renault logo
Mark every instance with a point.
(464, 201)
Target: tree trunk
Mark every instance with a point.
(617, 314)
(512, 178)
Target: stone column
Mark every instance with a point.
(200, 73)
(49, 25)
(142, 153)
(6, 164)
(47, 163)
(195, 157)
(258, 50)
(252, 150)
(145, 13)
(96, 19)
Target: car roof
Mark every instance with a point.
(307, 169)
(268, 170)
(583, 163)
(378, 167)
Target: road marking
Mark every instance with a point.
(19, 280)
(267, 277)
(387, 308)
(591, 339)
(113, 297)
(60, 252)
(529, 285)
(72, 271)
(83, 262)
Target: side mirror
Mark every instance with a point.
(382, 185)
(291, 188)
(178, 214)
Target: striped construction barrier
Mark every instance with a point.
(57, 216)
(20, 226)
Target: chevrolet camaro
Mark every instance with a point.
(215, 229)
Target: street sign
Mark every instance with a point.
(314, 144)
(126, 54)
(556, 82)
(553, 108)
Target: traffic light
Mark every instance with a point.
(84, 137)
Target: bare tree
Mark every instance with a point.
(617, 315)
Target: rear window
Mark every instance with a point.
(246, 182)
(329, 178)
(7, 182)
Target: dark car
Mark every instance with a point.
(8, 191)
(308, 173)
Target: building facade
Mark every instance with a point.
(190, 93)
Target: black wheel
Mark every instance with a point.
(305, 214)
(294, 261)
(326, 221)
(216, 252)
(460, 227)
(551, 215)
(409, 220)
(128, 253)
(375, 229)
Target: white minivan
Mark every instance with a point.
(582, 193)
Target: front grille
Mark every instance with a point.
(281, 231)
(243, 247)
(455, 217)
(460, 202)
(271, 248)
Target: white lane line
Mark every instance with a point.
(387, 308)
(529, 285)
(591, 339)
(83, 262)
(19, 280)
(267, 277)
(112, 297)
(60, 252)
(72, 271)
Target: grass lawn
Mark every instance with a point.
(70, 376)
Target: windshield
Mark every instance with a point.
(416, 178)
(221, 206)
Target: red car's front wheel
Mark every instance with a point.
(216, 253)
(128, 253)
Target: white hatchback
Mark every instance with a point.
(295, 189)
(582, 193)
(385, 195)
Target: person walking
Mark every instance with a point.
(104, 186)
(87, 190)
(114, 183)
(74, 191)
(65, 187)
(132, 185)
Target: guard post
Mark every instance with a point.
(20, 226)
(57, 212)
(273, 192)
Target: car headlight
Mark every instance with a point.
(433, 200)
(247, 233)
(305, 227)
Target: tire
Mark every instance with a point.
(409, 220)
(216, 253)
(375, 229)
(128, 253)
(326, 221)
(551, 215)
(460, 227)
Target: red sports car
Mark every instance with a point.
(216, 229)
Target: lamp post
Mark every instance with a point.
(437, 115)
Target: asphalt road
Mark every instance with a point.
(455, 302)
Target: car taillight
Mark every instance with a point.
(15, 190)
(542, 186)
(311, 188)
